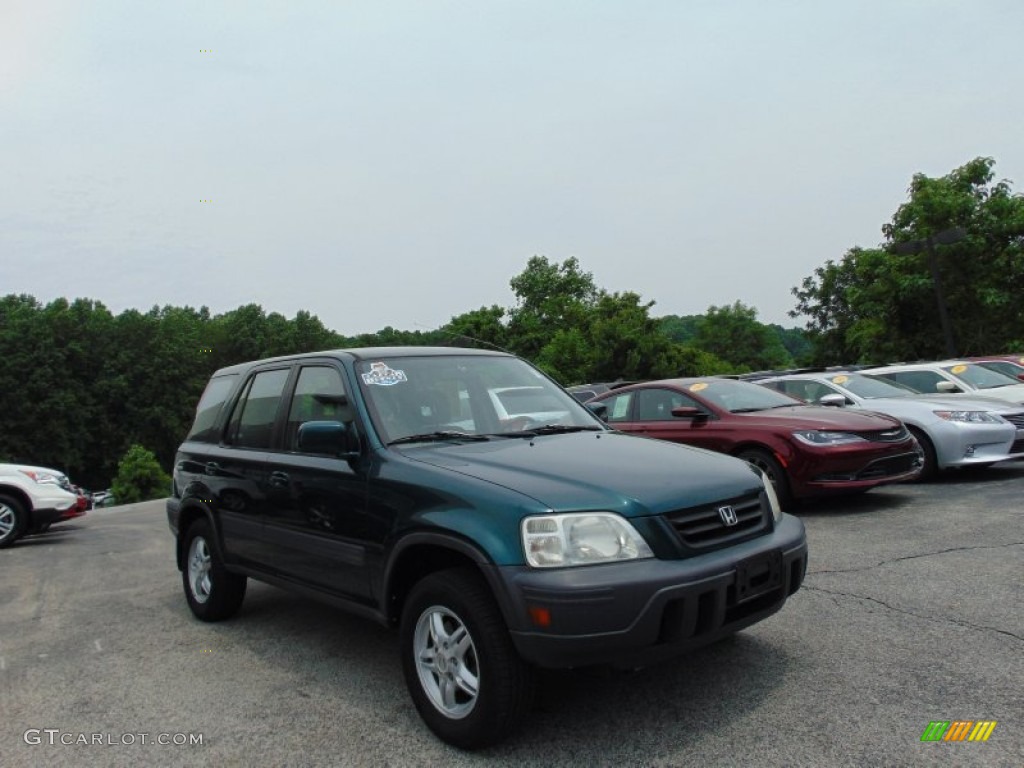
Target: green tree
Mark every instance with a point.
(874, 306)
(578, 332)
(733, 334)
(681, 329)
(550, 298)
(796, 343)
(139, 477)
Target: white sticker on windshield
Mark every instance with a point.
(383, 376)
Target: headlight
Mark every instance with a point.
(970, 417)
(580, 538)
(823, 437)
(43, 478)
(773, 497)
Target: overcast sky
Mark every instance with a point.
(382, 163)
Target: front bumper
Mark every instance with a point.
(961, 445)
(45, 516)
(635, 613)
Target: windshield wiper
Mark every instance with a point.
(765, 408)
(552, 429)
(439, 435)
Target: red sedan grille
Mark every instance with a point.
(894, 435)
(879, 468)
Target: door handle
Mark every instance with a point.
(279, 479)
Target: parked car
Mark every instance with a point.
(584, 392)
(953, 376)
(531, 403)
(31, 499)
(952, 432)
(387, 482)
(103, 498)
(806, 450)
(1008, 365)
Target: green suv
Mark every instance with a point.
(386, 482)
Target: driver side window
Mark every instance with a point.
(319, 396)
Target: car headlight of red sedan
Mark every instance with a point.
(821, 437)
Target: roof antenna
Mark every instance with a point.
(465, 336)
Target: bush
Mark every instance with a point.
(139, 477)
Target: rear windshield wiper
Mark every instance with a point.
(440, 435)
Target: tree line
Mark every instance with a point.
(80, 385)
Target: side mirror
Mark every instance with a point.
(333, 438)
(599, 409)
(947, 386)
(835, 399)
(688, 412)
(1020, 376)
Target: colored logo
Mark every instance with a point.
(728, 515)
(383, 376)
(958, 730)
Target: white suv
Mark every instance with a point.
(31, 498)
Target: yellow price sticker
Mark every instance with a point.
(698, 386)
(958, 369)
(840, 379)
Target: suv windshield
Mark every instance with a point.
(438, 397)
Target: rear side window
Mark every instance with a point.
(210, 404)
(657, 404)
(252, 423)
(921, 381)
(618, 406)
(808, 391)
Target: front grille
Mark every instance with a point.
(702, 527)
(1017, 419)
(894, 435)
(1018, 446)
(893, 465)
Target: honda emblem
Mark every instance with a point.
(728, 515)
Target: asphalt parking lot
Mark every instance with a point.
(911, 613)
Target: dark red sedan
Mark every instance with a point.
(806, 450)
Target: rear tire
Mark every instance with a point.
(13, 520)
(931, 464)
(213, 593)
(764, 461)
(466, 678)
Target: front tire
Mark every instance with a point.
(213, 593)
(13, 520)
(767, 464)
(931, 463)
(468, 683)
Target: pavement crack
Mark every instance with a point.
(915, 557)
(896, 609)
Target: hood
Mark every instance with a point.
(958, 401)
(818, 417)
(10, 469)
(1013, 393)
(631, 475)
